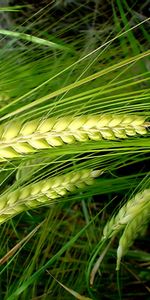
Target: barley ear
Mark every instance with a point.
(18, 138)
(125, 215)
(44, 192)
(131, 232)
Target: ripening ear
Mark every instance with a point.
(44, 192)
(32, 136)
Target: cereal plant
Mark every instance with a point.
(74, 150)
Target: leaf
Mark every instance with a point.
(72, 292)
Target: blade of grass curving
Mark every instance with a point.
(15, 8)
(33, 39)
(72, 292)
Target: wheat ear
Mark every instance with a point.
(126, 214)
(17, 138)
(131, 231)
(44, 192)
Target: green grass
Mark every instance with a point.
(64, 69)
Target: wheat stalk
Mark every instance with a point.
(126, 214)
(17, 138)
(131, 231)
(44, 192)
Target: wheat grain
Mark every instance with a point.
(44, 192)
(131, 232)
(126, 214)
(18, 138)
